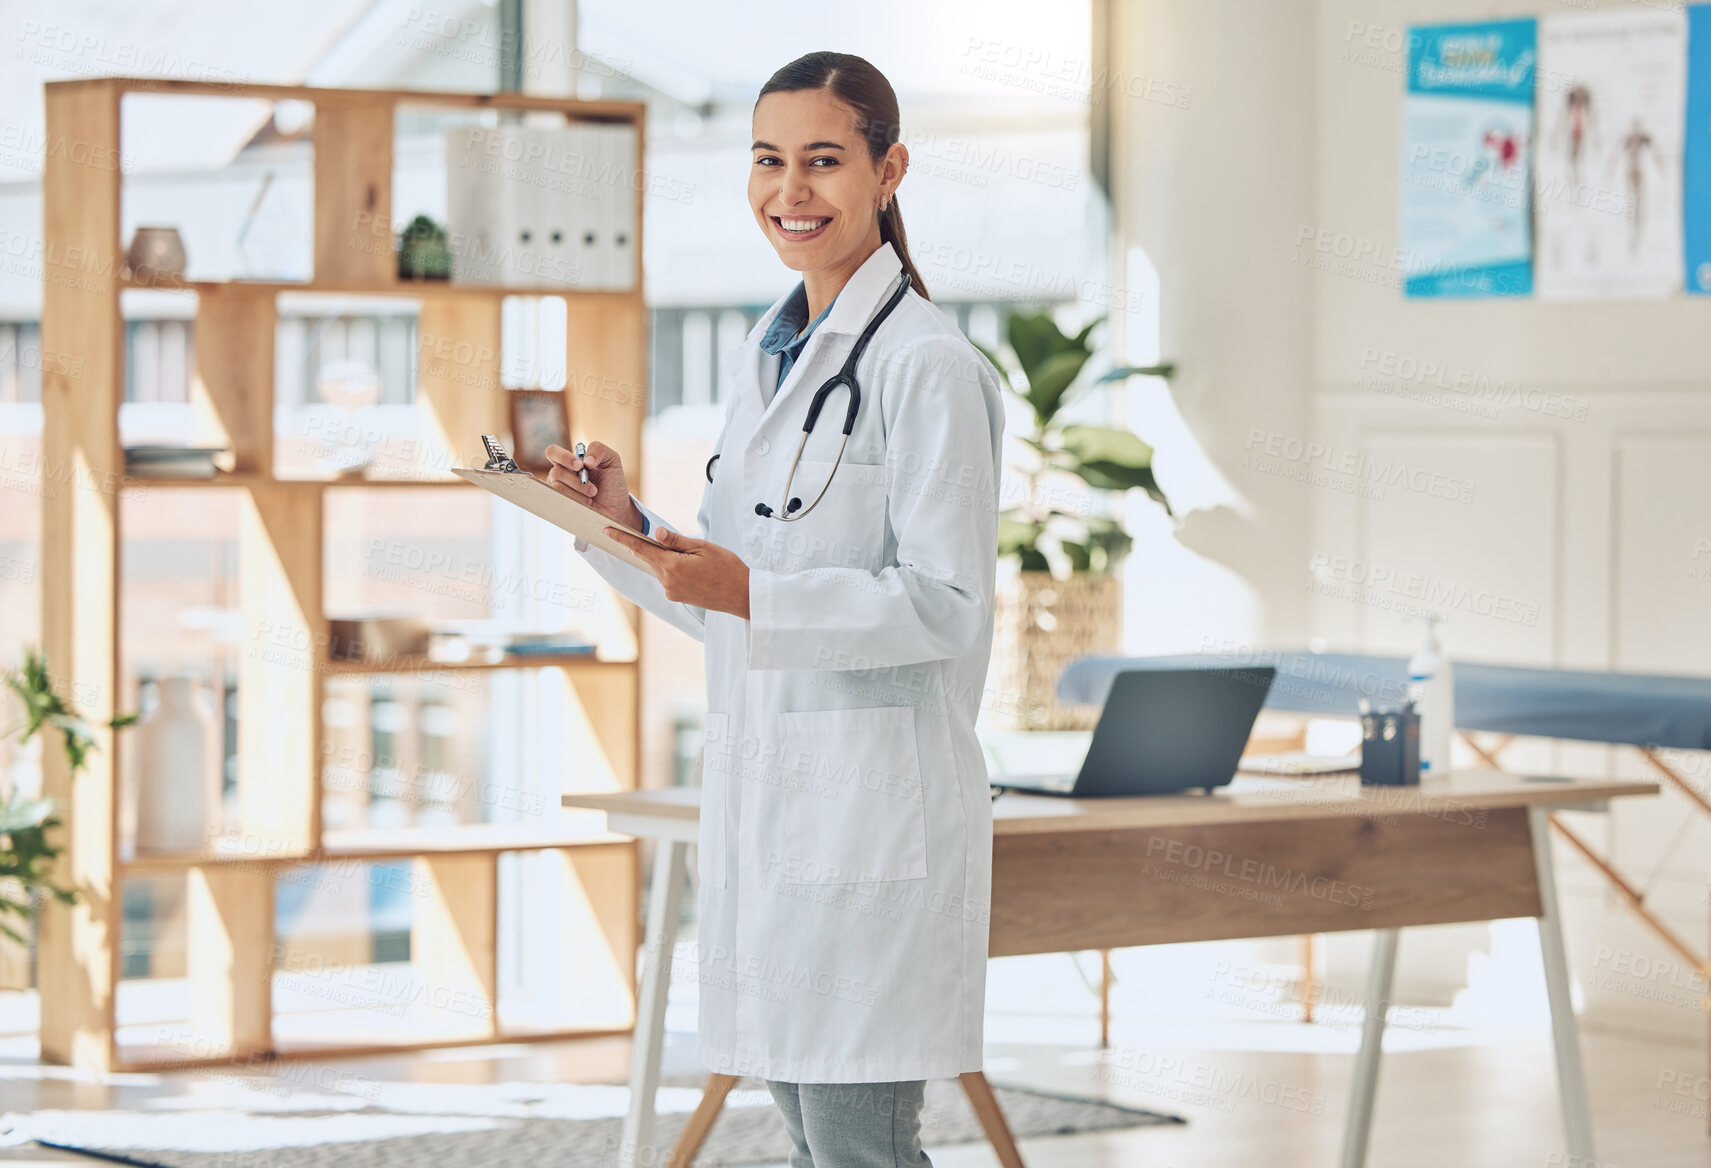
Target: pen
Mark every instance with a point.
(582, 451)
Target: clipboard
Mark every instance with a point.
(538, 498)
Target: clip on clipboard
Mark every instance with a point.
(504, 478)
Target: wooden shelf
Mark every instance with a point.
(377, 843)
(422, 664)
(374, 843)
(230, 891)
(419, 289)
(590, 111)
(241, 479)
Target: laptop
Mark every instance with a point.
(1162, 730)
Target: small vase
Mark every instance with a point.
(178, 798)
(156, 253)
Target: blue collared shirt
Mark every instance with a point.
(781, 336)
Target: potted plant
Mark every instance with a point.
(422, 251)
(28, 848)
(1062, 600)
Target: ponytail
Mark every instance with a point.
(891, 231)
(857, 84)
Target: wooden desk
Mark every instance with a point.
(1260, 858)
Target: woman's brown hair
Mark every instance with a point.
(864, 89)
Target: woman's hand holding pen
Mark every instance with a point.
(606, 490)
(692, 571)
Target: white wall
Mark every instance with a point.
(1584, 526)
(1212, 119)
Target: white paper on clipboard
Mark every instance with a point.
(536, 497)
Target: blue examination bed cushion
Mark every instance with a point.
(1633, 709)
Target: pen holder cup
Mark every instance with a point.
(1390, 747)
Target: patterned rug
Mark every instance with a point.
(250, 1122)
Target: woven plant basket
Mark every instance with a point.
(1041, 625)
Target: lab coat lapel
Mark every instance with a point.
(752, 363)
(830, 344)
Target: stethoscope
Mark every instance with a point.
(845, 377)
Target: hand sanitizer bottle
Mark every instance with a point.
(1431, 685)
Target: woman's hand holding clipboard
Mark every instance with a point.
(693, 572)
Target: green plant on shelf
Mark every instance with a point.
(422, 251)
(1048, 363)
(27, 853)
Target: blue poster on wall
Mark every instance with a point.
(1696, 164)
(1466, 214)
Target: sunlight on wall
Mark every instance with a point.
(1207, 602)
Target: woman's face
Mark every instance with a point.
(813, 189)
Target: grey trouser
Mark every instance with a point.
(853, 1125)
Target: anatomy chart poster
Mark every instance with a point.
(1696, 182)
(1610, 149)
(1467, 128)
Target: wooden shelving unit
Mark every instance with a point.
(232, 957)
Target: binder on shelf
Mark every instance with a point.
(579, 204)
(621, 204)
(600, 184)
(529, 178)
(480, 215)
(591, 224)
(543, 207)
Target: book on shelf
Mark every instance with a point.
(175, 462)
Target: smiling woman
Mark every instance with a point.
(815, 117)
(848, 634)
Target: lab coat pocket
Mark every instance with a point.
(717, 755)
(855, 810)
(846, 529)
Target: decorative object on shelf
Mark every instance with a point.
(539, 418)
(156, 254)
(173, 462)
(349, 385)
(422, 251)
(27, 855)
(178, 793)
(491, 640)
(377, 640)
(1061, 601)
(549, 645)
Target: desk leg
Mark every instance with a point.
(991, 1117)
(694, 1132)
(1309, 978)
(1104, 998)
(1380, 975)
(665, 901)
(1571, 1077)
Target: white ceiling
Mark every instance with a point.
(689, 50)
(703, 250)
(220, 40)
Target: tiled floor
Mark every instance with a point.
(1257, 1088)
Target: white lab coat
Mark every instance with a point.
(846, 828)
